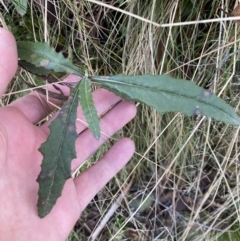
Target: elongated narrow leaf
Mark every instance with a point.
(20, 6)
(58, 151)
(166, 94)
(89, 111)
(43, 56)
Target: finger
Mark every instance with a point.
(36, 106)
(114, 120)
(3, 148)
(103, 100)
(8, 59)
(90, 182)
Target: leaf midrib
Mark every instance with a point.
(60, 146)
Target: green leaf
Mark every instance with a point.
(43, 73)
(58, 152)
(141, 203)
(166, 94)
(89, 111)
(41, 55)
(20, 6)
(32, 69)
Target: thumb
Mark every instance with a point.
(8, 58)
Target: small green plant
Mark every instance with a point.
(162, 92)
(20, 6)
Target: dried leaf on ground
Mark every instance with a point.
(236, 13)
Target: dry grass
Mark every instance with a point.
(185, 170)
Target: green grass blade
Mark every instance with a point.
(43, 56)
(167, 94)
(89, 110)
(58, 152)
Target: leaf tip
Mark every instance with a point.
(97, 136)
(42, 211)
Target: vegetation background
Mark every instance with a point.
(183, 181)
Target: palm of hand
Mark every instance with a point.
(20, 159)
(19, 187)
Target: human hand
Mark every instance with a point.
(20, 159)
